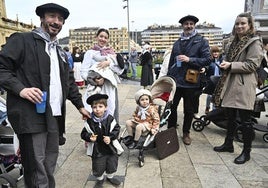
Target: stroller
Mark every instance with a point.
(9, 157)
(163, 90)
(219, 117)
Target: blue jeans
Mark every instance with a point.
(134, 69)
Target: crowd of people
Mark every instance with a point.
(25, 74)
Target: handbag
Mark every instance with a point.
(166, 143)
(192, 76)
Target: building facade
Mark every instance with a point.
(85, 38)
(259, 10)
(162, 37)
(8, 26)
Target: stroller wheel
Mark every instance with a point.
(265, 137)
(7, 181)
(198, 125)
(204, 119)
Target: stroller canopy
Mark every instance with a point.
(164, 88)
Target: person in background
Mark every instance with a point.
(70, 58)
(146, 59)
(133, 59)
(236, 89)
(213, 70)
(164, 66)
(190, 51)
(25, 73)
(262, 70)
(77, 59)
(144, 120)
(99, 131)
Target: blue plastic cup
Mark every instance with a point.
(41, 107)
(178, 62)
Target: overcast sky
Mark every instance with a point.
(142, 13)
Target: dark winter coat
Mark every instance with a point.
(197, 49)
(100, 148)
(25, 63)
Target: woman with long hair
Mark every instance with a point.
(236, 89)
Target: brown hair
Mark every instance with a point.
(214, 49)
(100, 101)
(250, 22)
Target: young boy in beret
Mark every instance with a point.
(101, 130)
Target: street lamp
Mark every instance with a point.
(132, 30)
(127, 6)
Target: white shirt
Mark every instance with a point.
(55, 88)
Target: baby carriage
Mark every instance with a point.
(162, 90)
(219, 117)
(9, 157)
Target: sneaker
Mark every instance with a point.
(99, 183)
(186, 139)
(114, 181)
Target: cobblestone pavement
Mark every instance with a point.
(193, 166)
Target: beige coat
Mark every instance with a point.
(239, 90)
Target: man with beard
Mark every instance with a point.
(30, 63)
(189, 54)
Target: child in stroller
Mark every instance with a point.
(145, 119)
(162, 93)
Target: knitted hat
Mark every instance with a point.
(140, 93)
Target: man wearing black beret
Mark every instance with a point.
(30, 63)
(189, 54)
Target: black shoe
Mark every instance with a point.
(99, 184)
(62, 140)
(114, 181)
(242, 158)
(224, 148)
(133, 145)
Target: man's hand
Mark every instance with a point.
(85, 113)
(32, 94)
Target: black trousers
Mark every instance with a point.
(189, 106)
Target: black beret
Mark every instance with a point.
(189, 17)
(95, 97)
(40, 10)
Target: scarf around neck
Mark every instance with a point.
(100, 119)
(39, 31)
(184, 37)
(103, 50)
(143, 112)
